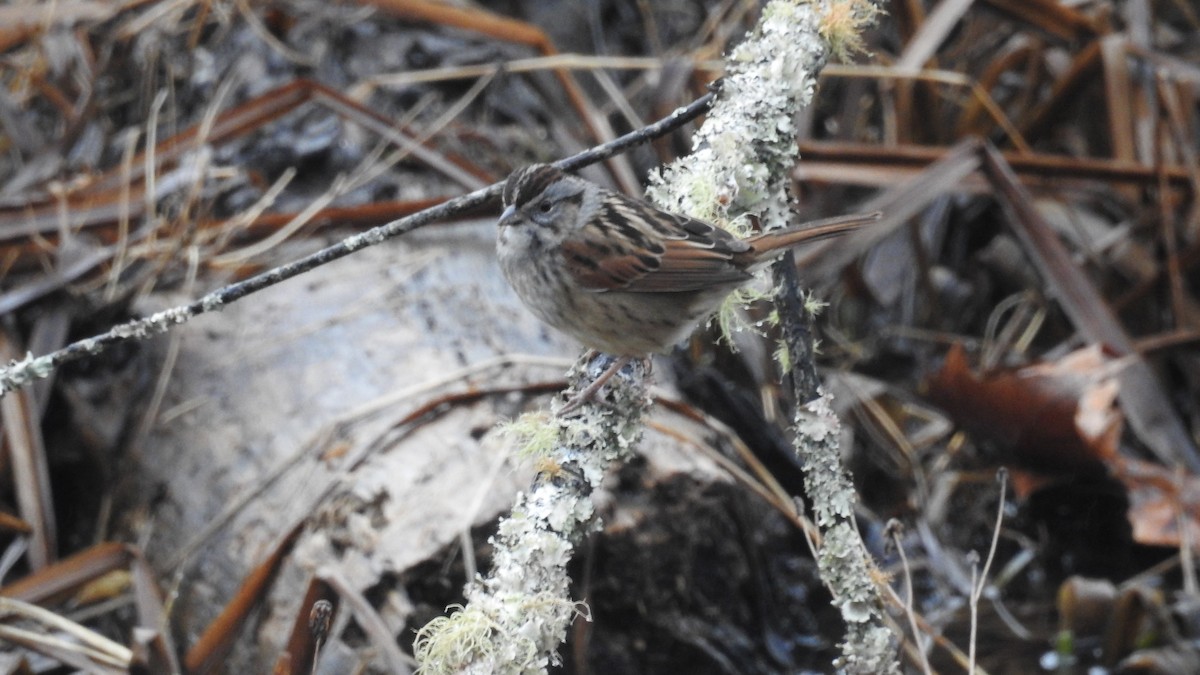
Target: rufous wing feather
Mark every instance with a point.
(631, 246)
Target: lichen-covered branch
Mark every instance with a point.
(518, 615)
(845, 566)
(745, 153)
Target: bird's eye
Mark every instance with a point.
(545, 206)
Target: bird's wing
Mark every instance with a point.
(629, 245)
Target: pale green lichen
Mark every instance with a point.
(505, 642)
(814, 305)
(783, 356)
(842, 26)
(532, 434)
(731, 316)
(448, 643)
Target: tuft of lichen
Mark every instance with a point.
(499, 637)
(814, 305)
(531, 433)
(842, 26)
(783, 356)
(731, 317)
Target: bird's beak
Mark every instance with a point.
(508, 213)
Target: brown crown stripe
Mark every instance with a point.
(529, 183)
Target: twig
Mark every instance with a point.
(369, 170)
(980, 582)
(530, 65)
(894, 529)
(377, 630)
(83, 640)
(1187, 560)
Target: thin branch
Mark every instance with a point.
(978, 584)
(20, 373)
(894, 529)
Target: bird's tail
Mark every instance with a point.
(768, 242)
